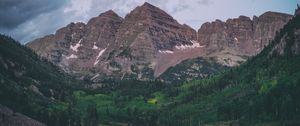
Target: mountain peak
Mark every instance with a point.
(149, 8)
(146, 4)
(148, 11)
(109, 13)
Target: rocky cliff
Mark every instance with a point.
(234, 40)
(81, 48)
(110, 45)
(148, 41)
(147, 33)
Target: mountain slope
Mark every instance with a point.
(128, 48)
(148, 41)
(241, 37)
(30, 84)
(147, 32)
(79, 47)
(262, 91)
(192, 69)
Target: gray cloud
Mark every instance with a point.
(205, 2)
(15, 12)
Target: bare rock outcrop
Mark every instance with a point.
(240, 37)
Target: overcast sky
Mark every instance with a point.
(26, 20)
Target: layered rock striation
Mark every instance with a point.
(235, 39)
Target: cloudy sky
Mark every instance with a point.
(26, 20)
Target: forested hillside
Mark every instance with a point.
(192, 69)
(30, 84)
(264, 90)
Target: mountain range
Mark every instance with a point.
(261, 91)
(148, 41)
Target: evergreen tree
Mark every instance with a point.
(92, 118)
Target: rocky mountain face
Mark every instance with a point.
(81, 48)
(234, 39)
(148, 41)
(146, 34)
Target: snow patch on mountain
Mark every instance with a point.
(195, 44)
(166, 51)
(94, 77)
(73, 34)
(75, 48)
(99, 55)
(72, 56)
(94, 46)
